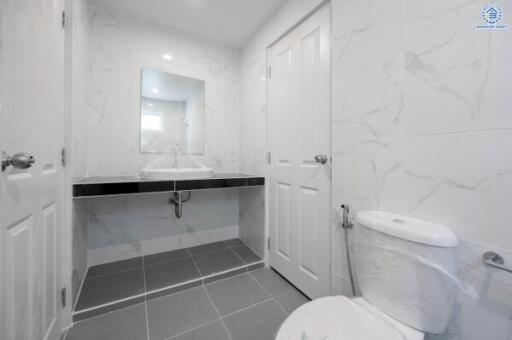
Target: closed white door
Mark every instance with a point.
(300, 130)
(31, 121)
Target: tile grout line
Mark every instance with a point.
(242, 244)
(145, 298)
(110, 304)
(192, 329)
(271, 296)
(168, 261)
(207, 252)
(169, 287)
(211, 300)
(75, 303)
(117, 271)
(217, 311)
(195, 265)
(241, 259)
(145, 293)
(245, 262)
(225, 278)
(247, 307)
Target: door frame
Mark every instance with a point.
(67, 229)
(315, 10)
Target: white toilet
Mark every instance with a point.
(405, 269)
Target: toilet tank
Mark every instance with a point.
(406, 268)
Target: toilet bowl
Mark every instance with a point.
(404, 268)
(341, 318)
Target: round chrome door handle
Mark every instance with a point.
(20, 160)
(322, 159)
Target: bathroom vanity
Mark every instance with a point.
(106, 186)
(173, 261)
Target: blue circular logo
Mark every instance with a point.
(491, 13)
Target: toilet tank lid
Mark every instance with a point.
(408, 228)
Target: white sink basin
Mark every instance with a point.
(182, 173)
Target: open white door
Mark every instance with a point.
(300, 131)
(31, 121)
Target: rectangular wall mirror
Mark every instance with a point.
(171, 113)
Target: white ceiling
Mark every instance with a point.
(228, 22)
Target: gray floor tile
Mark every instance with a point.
(217, 261)
(292, 300)
(206, 248)
(255, 266)
(124, 324)
(90, 313)
(234, 242)
(260, 322)
(179, 312)
(170, 273)
(246, 254)
(112, 287)
(172, 255)
(212, 331)
(271, 281)
(113, 267)
(225, 275)
(167, 291)
(233, 294)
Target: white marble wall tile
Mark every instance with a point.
(119, 47)
(462, 180)
(111, 50)
(130, 226)
(252, 219)
(488, 314)
(79, 78)
(422, 127)
(367, 67)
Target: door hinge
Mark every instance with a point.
(269, 72)
(63, 297)
(269, 157)
(268, 243)
(63, 19)
(63, 156)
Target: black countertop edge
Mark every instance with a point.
(91, 188)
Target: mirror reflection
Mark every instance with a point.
(171, 113)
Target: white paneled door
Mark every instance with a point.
(31, 121)
(300, 134)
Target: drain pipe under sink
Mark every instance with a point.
(177, 200)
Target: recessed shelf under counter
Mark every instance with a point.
(107, 186)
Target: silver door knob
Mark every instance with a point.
(322, 159)
(21, 160)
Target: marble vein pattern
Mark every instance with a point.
(131, 226)
(421, 127)
(118, 47)
(109, 51)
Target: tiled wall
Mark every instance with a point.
(129, 226)
(106, 134)
(118, 48)
(421, 126)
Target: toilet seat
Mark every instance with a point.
(341, 318)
